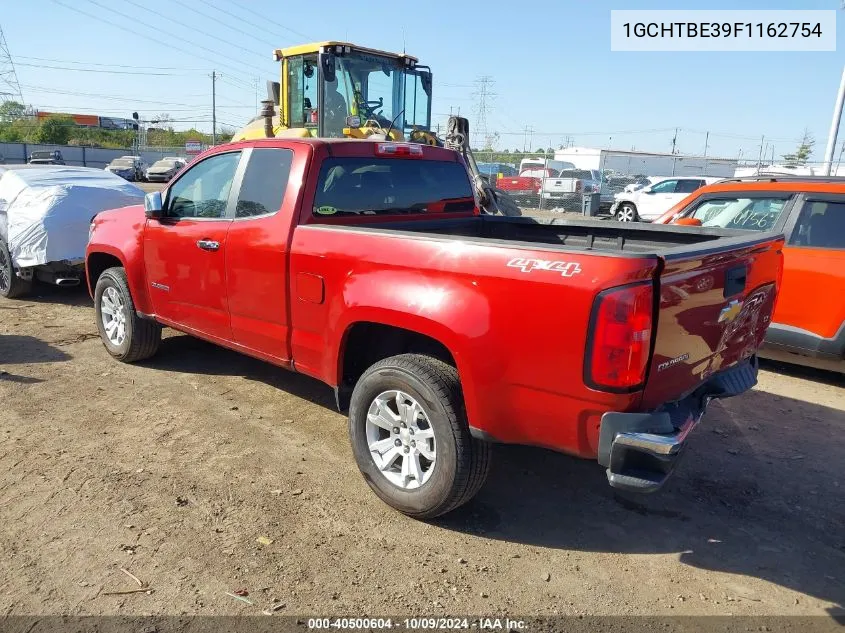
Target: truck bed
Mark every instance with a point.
(633, 239)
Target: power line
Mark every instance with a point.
(194, 28)
(224, 24)
(281, 26)
(136, 33)
(67, 61)
(98, 70)
(160, 30)
(237, 17)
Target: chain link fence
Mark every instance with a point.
(578, 179)
(97, 157)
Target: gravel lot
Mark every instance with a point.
(174, 468)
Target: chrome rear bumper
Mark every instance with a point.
(640, 450)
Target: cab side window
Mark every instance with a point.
(820, 225)
(264, 182)
(667, 186)
(687, 186)
(203, 191)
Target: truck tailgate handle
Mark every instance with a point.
(208, 245)
(735, 281)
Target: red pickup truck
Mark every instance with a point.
(368, 266)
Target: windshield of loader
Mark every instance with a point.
(376, 88)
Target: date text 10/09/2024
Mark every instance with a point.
(722, 29)
(418, 624)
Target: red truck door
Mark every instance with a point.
(257, 249)
(184, 250)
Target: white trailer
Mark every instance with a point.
(626, 163)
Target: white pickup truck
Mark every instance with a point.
(570, 184)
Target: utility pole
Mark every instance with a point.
(706, 143)
(760, 157)
(675, 141)
(10, 88)
(214, 107)
(483, 96)
(527, 137)
(834, 127)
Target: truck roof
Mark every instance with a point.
(429, 151)
(303, 49)
(783, 183)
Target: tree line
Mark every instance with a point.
(17, 125)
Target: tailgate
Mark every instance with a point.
(716, 301)
(519, 183)
(560, 185)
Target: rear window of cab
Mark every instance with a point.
(389, 186)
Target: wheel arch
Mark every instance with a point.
(365, 342)
(102, 258)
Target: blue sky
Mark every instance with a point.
(551, 63)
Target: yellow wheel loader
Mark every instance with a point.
(337, 89)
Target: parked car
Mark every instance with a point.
(808, 326)
(130, 168)
(652, 201)
(164, 170)
(643, 181)
(45, 212)
(46, 157)
(367, 265)
(493, 170)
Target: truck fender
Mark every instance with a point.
(112, 240)
(452, 312)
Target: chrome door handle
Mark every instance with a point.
(208, 245)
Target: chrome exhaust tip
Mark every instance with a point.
(67, 281)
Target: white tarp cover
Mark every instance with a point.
(45, 212)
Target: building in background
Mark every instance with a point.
(646, 163)
(89, 120)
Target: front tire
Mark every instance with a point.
(126, 336)
(11, 286)
(410, 436)
(627, 212)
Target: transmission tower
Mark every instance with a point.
(484, 96)
(10, 88)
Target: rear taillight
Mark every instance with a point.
(578, 185)
(620, 338)
(409, 150)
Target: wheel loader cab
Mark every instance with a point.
(336, 89)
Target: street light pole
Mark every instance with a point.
(834, 127)
(214, 107)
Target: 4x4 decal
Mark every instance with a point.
(566, 269)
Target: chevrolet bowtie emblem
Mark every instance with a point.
(730, 311)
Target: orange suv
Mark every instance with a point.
(808, 326)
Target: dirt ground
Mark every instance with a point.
(174, 468)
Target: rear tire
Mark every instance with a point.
(11, 286)
(126, 336)
(460, 462)
(627, 212)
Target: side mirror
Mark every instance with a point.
(153, 205)
(688, 222)
(353, 122)
(647, 190)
